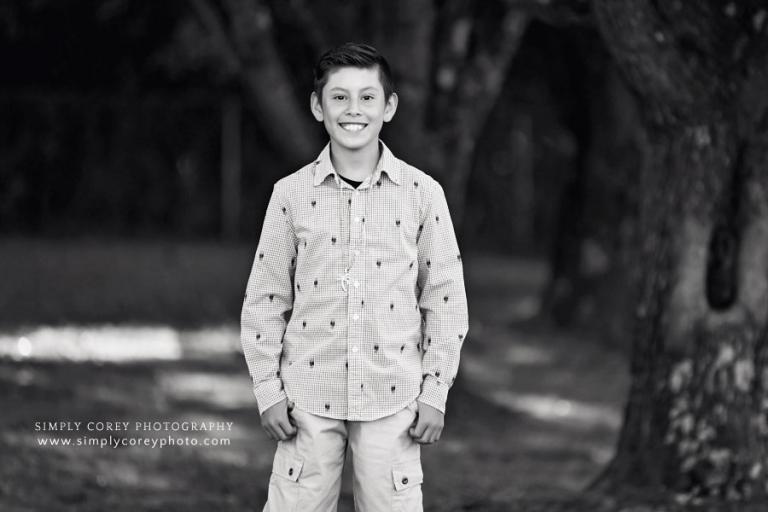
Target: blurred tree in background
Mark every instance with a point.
(696, 418)
(139, 91)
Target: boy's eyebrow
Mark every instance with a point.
(368, 87)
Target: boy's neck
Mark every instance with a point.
(355, 164)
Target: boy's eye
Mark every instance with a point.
(339, 97)
(368, 97)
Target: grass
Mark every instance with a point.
(116, 281)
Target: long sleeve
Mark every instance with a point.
(268, 299)
(443, 301)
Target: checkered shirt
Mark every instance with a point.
(355, 305)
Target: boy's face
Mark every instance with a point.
(353, 108)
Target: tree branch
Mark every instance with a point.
(652, 55)
(247, 48)
(477, 88)
(480, 79)
(555, 12)
(215, 26)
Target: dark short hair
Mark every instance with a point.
(357, 55)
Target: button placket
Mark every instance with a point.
(355, 296)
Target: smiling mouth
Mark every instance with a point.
(353, 127)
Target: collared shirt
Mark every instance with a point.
(355, 305)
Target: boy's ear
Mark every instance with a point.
(390, 108)
(316, 106)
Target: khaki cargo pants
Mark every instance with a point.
(387, 475)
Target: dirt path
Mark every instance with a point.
(533, 416)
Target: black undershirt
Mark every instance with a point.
(351, 182)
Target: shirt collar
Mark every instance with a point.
(387, 164)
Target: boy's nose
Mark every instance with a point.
(353, 109)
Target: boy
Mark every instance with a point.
(360, 248)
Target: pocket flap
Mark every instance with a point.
(407, 474)
(287, 466)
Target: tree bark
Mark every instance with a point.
(696, 418)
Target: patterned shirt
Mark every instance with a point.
(355, 305)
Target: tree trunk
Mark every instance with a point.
(478, 83)
(247, 51)
(696, 421)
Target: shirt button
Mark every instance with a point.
(405, 480)
(354, 349)
(355, 317)
(357, 284)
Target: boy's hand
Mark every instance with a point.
(277, 423)
(428, 425)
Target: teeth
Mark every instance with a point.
(352, 127)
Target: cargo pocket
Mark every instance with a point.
(407, 478)
(284, 487)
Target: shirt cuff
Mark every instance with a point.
(268, 393)
(434, 393)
